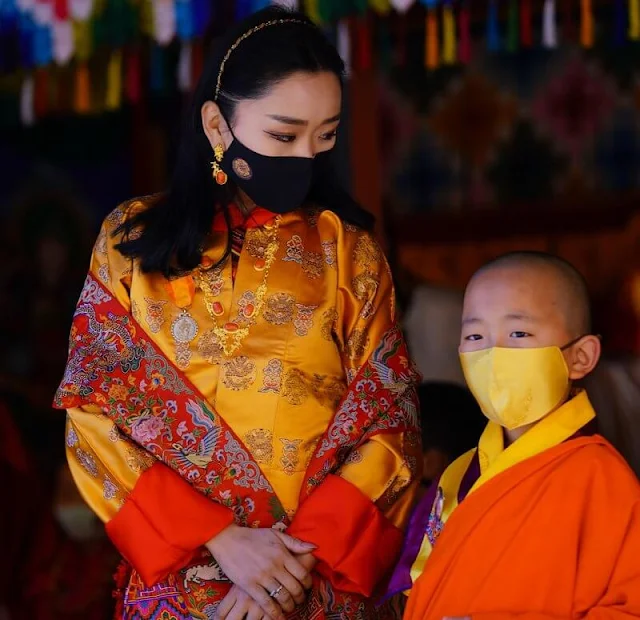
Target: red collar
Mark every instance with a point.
(258, 217)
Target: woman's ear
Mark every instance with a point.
(584, 356)
(213, 124)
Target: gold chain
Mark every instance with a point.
(246, 35)
(231, 339)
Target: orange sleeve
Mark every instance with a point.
(155, 518)
(163, 521)
(356, 544)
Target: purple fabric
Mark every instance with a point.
(469, 478)
(401, 577)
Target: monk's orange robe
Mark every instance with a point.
(547, 531)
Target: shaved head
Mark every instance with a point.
(568, 287)
(528, 300)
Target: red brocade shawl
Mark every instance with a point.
(107, 347)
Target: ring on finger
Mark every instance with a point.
(277, 591)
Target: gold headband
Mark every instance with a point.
(246, 35)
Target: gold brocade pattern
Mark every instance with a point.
(256, 242)
(101, 243)
(357, 344)
(138, 460)
(135, 311)
(239, 373)
(85, 462)
(155, 314)
(103, 274)
(115, 434)
(295, 389)
(330, 253)
(366, 251)
(280, 308)
(209, 347)
(303, 321)
(272, 381)
(313, 264)
(295, 250)
(365, 286)
(214, 280)
(260, 442)
(332, 392)
(290, 456)
(329, 320)
(328, 289)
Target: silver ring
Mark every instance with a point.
(277, 591)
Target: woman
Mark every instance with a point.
(235, 368)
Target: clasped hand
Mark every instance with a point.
(260, 563)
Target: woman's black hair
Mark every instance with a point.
(173, 230)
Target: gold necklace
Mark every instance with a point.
(231, 334)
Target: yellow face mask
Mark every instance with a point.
(517, 387)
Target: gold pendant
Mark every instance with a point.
(230, 338)
(231, 334)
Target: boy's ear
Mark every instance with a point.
(583, 357)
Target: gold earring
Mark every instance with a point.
(218, 173)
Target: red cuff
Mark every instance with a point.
(357, 546)
(163, 522)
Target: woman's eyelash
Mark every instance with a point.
(282, 137)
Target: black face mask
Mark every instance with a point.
(279, 184)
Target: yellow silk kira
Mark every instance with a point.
(494, 458)
(329, 299)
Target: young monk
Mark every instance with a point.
(542, 520)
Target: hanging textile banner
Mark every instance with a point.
(449, 51)
(586, 25)
(634, 20)
(549, 29)
(158, 46)
(493, 27)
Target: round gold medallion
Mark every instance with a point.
(242, 169)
